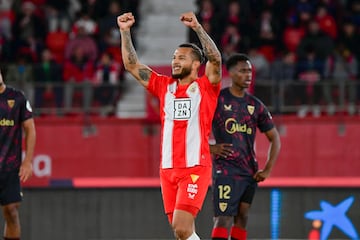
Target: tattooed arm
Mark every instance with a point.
(131, 63)
(214, 65)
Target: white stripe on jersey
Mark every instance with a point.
(167, 138)
(193, 131)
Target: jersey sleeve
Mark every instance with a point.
(157, 83)
(213, 89)
(25, 109)
(265, 121)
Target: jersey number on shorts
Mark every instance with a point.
(224, 191)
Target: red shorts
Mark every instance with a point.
(185, 188)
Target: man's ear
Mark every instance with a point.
(196, 64)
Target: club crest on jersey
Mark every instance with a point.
(227, 107)
(223, 206)
(11, 103)
(250, 109)
(192, 88)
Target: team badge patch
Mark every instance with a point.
(223, 206)
(192, 88)
(250, 109)
(11, 103)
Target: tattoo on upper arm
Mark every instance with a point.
(144, 74)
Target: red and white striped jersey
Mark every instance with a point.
(186, 113)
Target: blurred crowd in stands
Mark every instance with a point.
(305, 53)
(64, 52)
(308, 50)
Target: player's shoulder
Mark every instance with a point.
(252, 98)
(14, 92)
(224, 91)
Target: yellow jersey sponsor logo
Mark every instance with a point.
(232, 126)
(6, 122)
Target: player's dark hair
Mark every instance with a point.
(196, 51)
(235, 58)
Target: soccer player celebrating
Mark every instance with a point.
(237, 116)
(187, 105)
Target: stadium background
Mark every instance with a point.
(97, 178)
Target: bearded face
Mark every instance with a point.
(181, 72)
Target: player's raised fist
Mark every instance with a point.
(189, 19)
(126, 21)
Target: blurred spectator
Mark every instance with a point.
(354, 10)
(261, 72)
(7, 18)
(326, 22)
(349, 39)
(83, 40)
(310, 70)
(78, 73)
(74, 8)
(343, 75)
(94, 9)
(302, 11)
(57, 15)
(85, 24)
(318, 41)
(107, 81)
(292, 35)
(20, 75)
(230, 41)
(109, 35)
(29, 31)
(260, 63)
(56, 42)
(48, 77)
(282, 74)
(207, 15)
(266, 34)
(238, 14)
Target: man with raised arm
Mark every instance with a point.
(187, 105)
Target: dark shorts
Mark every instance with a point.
(228, 192)
(10, 189)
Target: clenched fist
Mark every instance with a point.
(125, 21)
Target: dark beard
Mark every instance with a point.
(184, 73)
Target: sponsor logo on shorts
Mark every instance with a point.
(192, 188)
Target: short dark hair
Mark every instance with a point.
(197, 52)
(235, 58)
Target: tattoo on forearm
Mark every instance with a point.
(210, 49)
(128, 45)
(144, 73)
